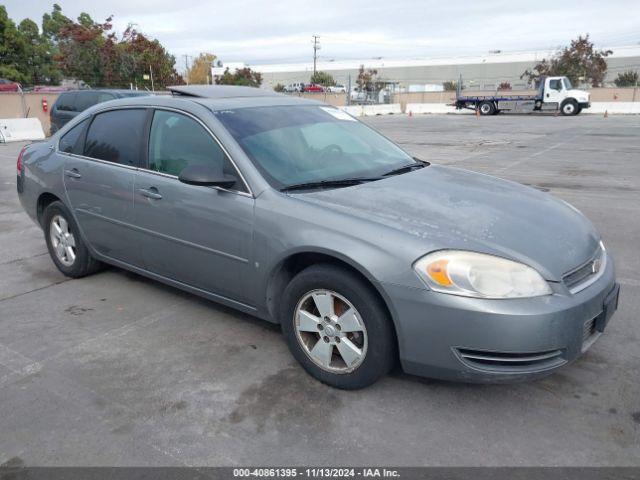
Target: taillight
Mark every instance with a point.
(19, 161)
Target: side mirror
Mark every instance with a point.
(206, 176)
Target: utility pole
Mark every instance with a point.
(186, 68)
(316, 47)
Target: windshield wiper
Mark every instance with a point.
(343, 182)
(406, 168)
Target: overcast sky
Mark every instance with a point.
(278, 31)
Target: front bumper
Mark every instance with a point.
(478, 340)
(584, 105)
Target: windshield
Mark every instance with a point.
(291, 145)
(567, 83)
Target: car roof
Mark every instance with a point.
(227, 97)
(117, 91)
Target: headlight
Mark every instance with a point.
(479, 275)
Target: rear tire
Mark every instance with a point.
(487, 108)
(66, 247)
(569, 107)
(337, 327)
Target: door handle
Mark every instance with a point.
(73, 173)
(151, 192)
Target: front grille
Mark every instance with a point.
(587, 273)
(510, 362)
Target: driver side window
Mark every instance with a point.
(177, 141)
(555, 84)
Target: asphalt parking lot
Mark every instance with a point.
(115, 369)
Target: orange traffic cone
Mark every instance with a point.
(606, 114)
(477, 112)
(410, 113)
(556, 113)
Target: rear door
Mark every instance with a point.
(100, 181)
(200, 236)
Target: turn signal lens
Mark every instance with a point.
(438, 272)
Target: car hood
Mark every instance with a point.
(451, 208)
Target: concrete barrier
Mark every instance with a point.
(614, 108)
(619, 108)
(370, 110)
(418, 108)
(20, 129)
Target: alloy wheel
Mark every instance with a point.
(330, 331)
(62, 240)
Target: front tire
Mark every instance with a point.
(569, 107)
(337, 327)
(66, 247)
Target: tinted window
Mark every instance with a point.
(66, 102)
(177, 141)
(116, 136)
(105, 97)
(85, 100)
(70, 142)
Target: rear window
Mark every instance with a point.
(66, 102)
(115, 136)
(70, 142)
(85, 100)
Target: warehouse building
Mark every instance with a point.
(481, 72)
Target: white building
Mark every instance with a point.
(481, 71)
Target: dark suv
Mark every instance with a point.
(69, 104)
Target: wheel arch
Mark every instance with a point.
(288, 267)
(44, 200)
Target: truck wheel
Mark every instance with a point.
(487, 108)
(337, 328)
(569, 107)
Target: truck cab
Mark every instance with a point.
(558, 93)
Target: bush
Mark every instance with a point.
(627, 79)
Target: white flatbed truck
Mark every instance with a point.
(555, 94)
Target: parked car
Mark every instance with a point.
(69, 104)
(294, 87)
(295, 212)
(337, 88)
(313, 88)
(9, 86)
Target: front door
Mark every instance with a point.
(553, 91)
(200, 236)
(100, 181)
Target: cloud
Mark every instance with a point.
(257, 31)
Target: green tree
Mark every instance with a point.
(322, 78)
(37, 62)
(579, 61)
(52, 23)
(627, 79)
(278, 87)
(241, 77)
(13, 49)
